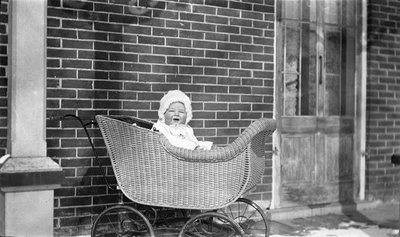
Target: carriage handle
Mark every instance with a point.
(84, 126)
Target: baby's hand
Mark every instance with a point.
(206, 145)
(199, 147)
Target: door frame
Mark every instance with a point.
(360, 106)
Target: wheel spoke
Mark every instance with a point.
(121, 221)
(211, 224)
(249, 216)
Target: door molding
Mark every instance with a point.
(361, 98)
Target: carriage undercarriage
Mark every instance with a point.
(242, 218)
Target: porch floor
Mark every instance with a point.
(374, 220)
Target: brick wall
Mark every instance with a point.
(383, 99)
(3, 75)
(104, 59)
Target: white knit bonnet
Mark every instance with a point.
(175, 96)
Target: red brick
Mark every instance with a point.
(191, 70)
(101, 26)
(239, 73)
(178, 24)
(137, 67)
(229, 46)
(179, 60)
(178, 42)
(76, 103)
(151, 40)
(191, 52)
(108, 65)
(227, 115)
(191, 16)
(84, 64)
(102, 7)
(191, 34)
(216, 3)
(107, 85)
(242, 6)
(123, 57)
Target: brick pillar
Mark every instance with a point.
(28, 178)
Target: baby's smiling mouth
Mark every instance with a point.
(176, 119)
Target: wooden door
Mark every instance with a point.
(316, 101)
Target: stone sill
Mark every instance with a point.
(30, 171)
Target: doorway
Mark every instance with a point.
(316, 102)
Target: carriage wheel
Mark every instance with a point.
(149, 212)
(121, 221)
(249, 216)
(211, 224)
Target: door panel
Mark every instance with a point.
(339, 152)
(316, 160)
(299, 156)
(339, 166)
(296, 161)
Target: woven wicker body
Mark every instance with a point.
(150, 171)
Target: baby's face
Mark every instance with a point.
(175, 114)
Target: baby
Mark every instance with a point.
(174, 114)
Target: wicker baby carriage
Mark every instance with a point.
(152, 172)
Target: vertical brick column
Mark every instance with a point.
(28, 177)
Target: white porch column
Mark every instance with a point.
(27, 86)
(28, 177)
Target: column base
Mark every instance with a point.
(27, 196)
